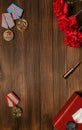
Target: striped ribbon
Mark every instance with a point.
(12, 99)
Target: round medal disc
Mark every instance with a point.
(16, 111)
(71, 125)
(8, 35)
(22, 25)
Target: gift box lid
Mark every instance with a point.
(65, 114)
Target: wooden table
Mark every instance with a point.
(33, 65)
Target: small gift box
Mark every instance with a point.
(71, 111)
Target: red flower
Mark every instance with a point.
(80, 37)
(60, 7)
(72, 39)
(67, 24)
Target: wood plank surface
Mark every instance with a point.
(32, 66)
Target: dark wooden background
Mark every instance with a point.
(32, 66)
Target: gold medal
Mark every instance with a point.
(8, 35)
(22, 25)
(16, 111)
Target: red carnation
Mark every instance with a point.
(67, 24)
(60, 7)
(80, 37)
(72, 40)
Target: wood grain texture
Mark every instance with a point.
(32, 66)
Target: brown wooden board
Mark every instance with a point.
(33, 65)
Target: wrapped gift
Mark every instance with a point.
(71, 111)
(15, 10)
